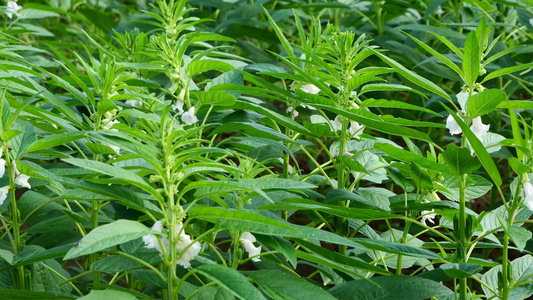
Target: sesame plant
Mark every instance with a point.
(174, 149)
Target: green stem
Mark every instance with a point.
(462, 233)
(94, 256)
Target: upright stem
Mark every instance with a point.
(94, 256)
(462, 232)
(505, 268)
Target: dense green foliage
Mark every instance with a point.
(209, 149)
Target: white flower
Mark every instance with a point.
(3, 194)
(528, 191)
(22, 180)
(355, 129)
(310, 89)
(531, 21)
(428, 215)
(247, 239)
(294, 111)
(15, 168)
(152, 242)
(108, 124)
(184, 242)
(133, 102)
(478, 128)
(307, 106)
(2, 167)
(462, 98)
(188, 117)
(336, 124)
(12, 8)
(178, 106)
(452, 125)
(115, 148)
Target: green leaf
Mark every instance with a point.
(252, 129)
(462, 270)
(214, 98)
(33, 295)
(214, 214)
(55, 140)
(520, 236)
(506, 71)
(471, 59)
(397, 248)
(460, 160)
(108, 294)
(386, 87)
(22, 142)
(413, 77)
(280, 35)
(200, 66)
(230, 279)
(479, 149)
(394, 104)
(484, 102)
(108, 235)
(36, 14)
(282, 285)
(409, 157)
(344, 260)
(390, 288)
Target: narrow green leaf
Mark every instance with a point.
(55, 140)
(506, 71)
(397, 248)
(409, 157)
(394, 104)
(413, 77)
(471, 59)
(108, 294)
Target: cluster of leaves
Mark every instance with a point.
(319, 168)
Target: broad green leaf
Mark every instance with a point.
(36, 14)
(282, 285)
(231, 280)
(13, 294)
(108, 294)
(476, 187)
(471, 59)
(214, 98)
(200, 66)
(108, 235)
(460, 160)
(479, 149)
(393, 287)
(22, 142)
(462, 270)
(484, 102)
(520, 236)
(521, 269)
(281, 245)
(43, 279)
(118, 263)
(413, 77)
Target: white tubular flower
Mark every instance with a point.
(307, 106)
(310, 89)
(184, 240)
(15, 168)
(2, 167)
(462, 98)
(188, 117)
(355, 129)
(294, 112)
(12, 9)
(247, 239)
(178, 106)
(108, 124)
(152, 242)
(478, 128)
(336, 124)
(3, 194)
(531, 21)
(115, 148)
(22, 180)
(528, 191)
(428, 215)
(133, 102)
(452, 126)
